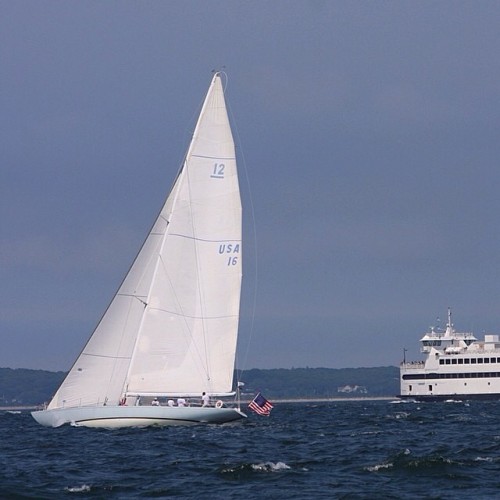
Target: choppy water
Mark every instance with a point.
(351, 450)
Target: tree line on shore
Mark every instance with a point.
(22, 387)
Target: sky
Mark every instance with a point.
(368, 139)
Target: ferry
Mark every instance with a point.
(457, 366)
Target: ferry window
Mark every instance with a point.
(410, 387)
(453, 361)
(493, 360)
(486, 360)
(473, 361)
(479, 360)
(460, 361)
(441, 361)
(466, 361)
(447, 361)
(430, 387)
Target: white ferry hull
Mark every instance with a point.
(114, 417)
(439, 385)
(452, 397)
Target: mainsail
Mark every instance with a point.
(171, 328)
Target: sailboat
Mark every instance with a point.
(169, 334)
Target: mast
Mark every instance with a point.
(449, 325)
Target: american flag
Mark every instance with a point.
(261, 405)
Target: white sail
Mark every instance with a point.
(172, 326)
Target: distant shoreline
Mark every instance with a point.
(247, 400)
(327, 400)
(18, 408)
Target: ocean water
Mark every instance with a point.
(344, 450)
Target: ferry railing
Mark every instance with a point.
(415, 365)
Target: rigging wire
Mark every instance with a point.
(239, 372)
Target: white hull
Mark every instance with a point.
(449, 383)
(114, 417)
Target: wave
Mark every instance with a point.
(271, 467)
(251, 468)
(78, 489)
(405, 461)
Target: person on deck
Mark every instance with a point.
(155, 402)
(205, 398)
(181, 402)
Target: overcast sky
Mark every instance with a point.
(369, 132)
